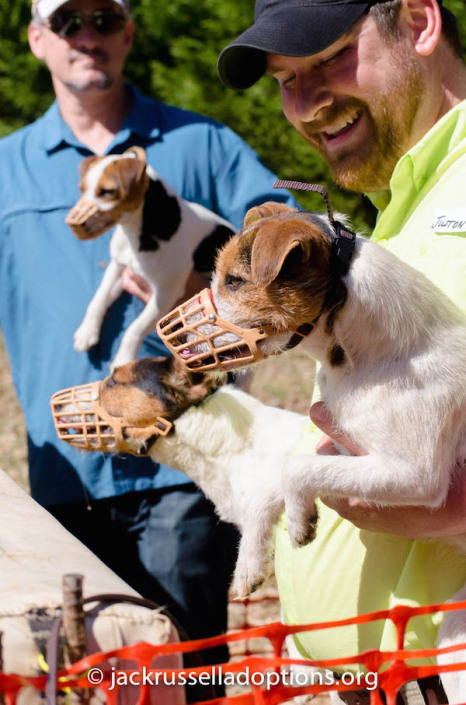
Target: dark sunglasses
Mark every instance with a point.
(69, 23)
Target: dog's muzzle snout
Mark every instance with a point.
(202, 340)
(87, 221)
(83, 423)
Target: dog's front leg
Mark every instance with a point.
(110, 288)
(395, 479)
(255, 549)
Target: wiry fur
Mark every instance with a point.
(399, 388)
(163, 256)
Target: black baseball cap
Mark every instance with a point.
(290, 28)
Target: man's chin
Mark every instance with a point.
(100, 82)
(360, 178)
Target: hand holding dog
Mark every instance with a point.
(136, 285)
(409, 522)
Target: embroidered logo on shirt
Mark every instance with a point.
(450, 220)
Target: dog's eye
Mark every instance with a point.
(107, 193)
(111, 381)
(233, 282)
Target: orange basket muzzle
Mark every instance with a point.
(202, 340)
(87, 221)
(83, 423)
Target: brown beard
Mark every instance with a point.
(391, 119)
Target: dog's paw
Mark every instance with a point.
(85, 337)
(248, 578)
(302, 529)
(119, 361)
(244, 585)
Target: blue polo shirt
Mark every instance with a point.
(48, 277)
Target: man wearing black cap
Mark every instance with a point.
(378, 87)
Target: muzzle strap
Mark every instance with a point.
(344, 239)
(304, 186)
(301, 332)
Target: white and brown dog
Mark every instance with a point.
(392, 349)
(159, 235)
(220, 434)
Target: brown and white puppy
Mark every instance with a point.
(392, 350)
(229, 443)
(158, 234)
(391, 345)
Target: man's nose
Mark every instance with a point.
(312, 95)
(88, 35)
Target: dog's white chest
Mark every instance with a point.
(122, 251)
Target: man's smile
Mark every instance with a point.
(340, 128)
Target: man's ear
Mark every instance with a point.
(423, 21)
(130, 29)
(264, 211)
(35, 40)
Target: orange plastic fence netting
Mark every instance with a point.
(258, 673)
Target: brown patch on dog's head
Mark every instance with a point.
(276, 270)
(123, 182)
(84, 167)
(154, 387)
(264, 211)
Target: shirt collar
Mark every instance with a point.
(140, 121)
(424, 159)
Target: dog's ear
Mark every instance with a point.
(187, 387)
(128, 173)
(264, 211)
(85, 165)
(290, 246)
(137, 152)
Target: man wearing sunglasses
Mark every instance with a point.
(147, 523)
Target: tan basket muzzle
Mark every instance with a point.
(202, 340)
(87, 221)
(81, 421)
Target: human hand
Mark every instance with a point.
(326, 446)
(136, 285)
(406, 521)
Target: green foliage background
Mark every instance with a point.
(174, 59)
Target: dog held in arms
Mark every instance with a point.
(211, 430)
(221, 433)
(392, 350)
(158, 235)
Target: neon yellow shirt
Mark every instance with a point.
(346, 571)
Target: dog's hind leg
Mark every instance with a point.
(110, 288)
(255, 549)
(451, 633)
